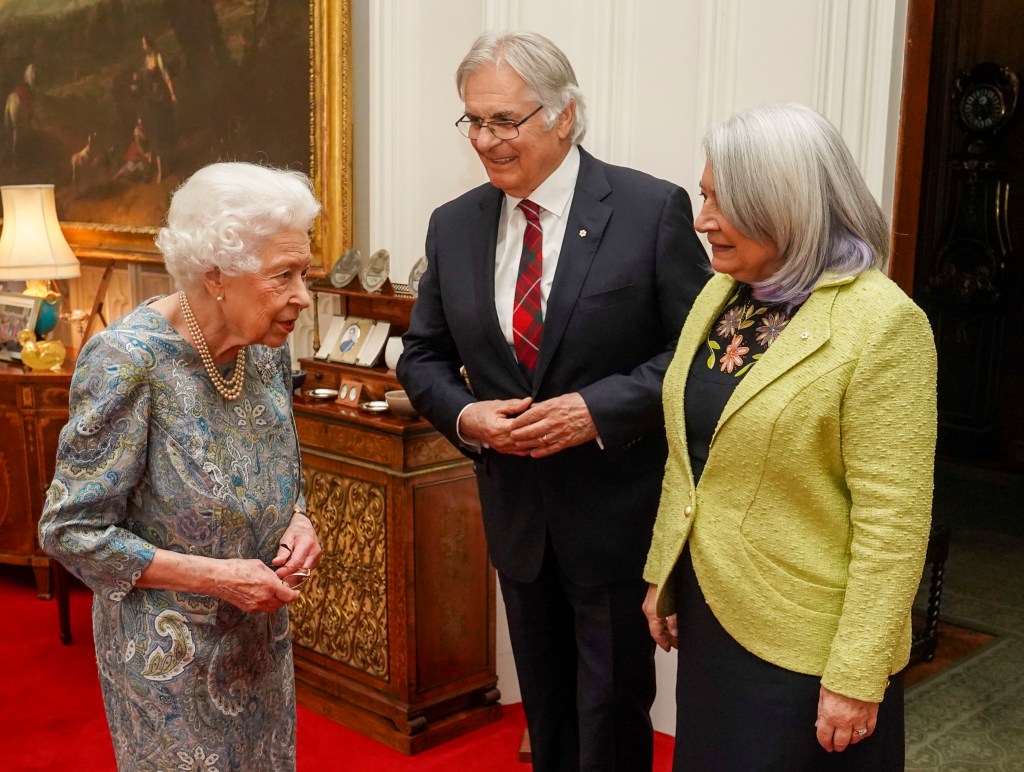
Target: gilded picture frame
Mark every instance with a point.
(77, 149)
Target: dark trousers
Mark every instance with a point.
(585, 663)
(737, 713)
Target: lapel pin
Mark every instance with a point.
(583, 232)
(805, 335)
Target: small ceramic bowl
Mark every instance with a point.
(399, 404)
(298, 378)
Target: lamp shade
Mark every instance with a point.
(32, 245)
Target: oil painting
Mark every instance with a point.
(117, 101)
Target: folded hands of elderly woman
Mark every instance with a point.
(249, 584)
(252, 586)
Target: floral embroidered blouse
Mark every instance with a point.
(744, 330)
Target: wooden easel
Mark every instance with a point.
(97, 303)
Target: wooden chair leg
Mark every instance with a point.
(61, 580)
(44, 579)
(938, 551)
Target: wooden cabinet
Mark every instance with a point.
(33, 410)
(394, 636)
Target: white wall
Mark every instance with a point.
(656, 74)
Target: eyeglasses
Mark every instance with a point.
(298, 576)
(501, 129)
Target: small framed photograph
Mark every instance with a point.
(17, 312)
(350, 393)
(354, 332)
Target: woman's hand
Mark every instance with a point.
(299, 546)
(251, 586)
(664, 630)
(247, 584)
(842, 720)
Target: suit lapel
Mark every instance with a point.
(589, 215)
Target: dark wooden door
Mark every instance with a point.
(981, 352)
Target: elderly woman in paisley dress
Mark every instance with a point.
(177, 496)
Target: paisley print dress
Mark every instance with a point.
(154, 457)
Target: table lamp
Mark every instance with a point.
(33, 248)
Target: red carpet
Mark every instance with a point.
(51, 712)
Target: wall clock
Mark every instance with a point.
(985, 97)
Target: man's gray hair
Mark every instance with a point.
(542, 66)
(221, 216)
(784, 175)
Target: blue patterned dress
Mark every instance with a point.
(154, 457)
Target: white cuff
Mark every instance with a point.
(475, 445)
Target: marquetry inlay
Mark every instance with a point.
(342, 613)
(28, 397)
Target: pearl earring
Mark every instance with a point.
(220, 297)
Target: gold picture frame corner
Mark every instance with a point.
(331, 129)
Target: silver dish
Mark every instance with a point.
(346, 269)
(375, 406)
(418, 269)
(321, 393)
(375, 272)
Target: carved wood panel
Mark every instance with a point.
(342, 613)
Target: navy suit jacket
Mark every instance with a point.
(629, 270)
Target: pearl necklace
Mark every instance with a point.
(230, 390)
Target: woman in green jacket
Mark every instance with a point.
(800, 412)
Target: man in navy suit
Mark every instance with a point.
(560, 286)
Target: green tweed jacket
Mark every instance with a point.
(810, 523)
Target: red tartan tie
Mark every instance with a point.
(527, 317)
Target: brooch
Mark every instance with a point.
(266, 365)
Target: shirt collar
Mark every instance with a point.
(554, 193)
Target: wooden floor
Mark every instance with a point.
(955, 643)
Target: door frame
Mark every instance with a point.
(917, 60)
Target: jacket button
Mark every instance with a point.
(687, 511)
